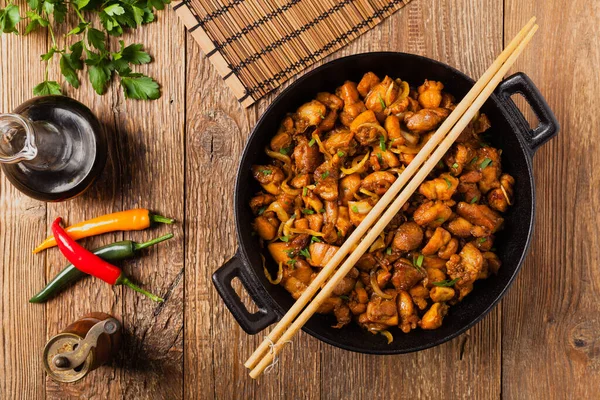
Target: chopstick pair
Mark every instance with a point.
(443, 139)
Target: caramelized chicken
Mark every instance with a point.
(425, 120)
(335, 157)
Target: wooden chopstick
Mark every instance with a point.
(463, 113)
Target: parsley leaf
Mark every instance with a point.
(133, 54)
(140, 87)
(47, 88)
(9, 18)
(68, 71)
(96, 38)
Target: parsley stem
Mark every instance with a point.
(79, 15)
(51, 31)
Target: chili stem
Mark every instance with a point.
(124, 281)
(160, 219)
(144, 245)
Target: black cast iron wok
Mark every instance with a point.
(510, 132)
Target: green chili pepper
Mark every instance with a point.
(112, 252)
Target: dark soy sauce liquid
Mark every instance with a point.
(71, 150)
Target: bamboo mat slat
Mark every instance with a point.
(256, 45)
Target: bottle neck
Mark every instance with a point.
(39, 144)
(17, 139)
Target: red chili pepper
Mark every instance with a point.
(91, 264)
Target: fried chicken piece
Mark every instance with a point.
(329, 305)
(383, 159)
(439, 239)
(441, 294)
(346, 285)
(358, 210)
(284, 137)
(465, 267)
(408, 237)
(349, 186)
(441, 188)
(432, 214)
(392, 127)
(405, 275)
(425, 120)
(342, 315)
(407, 311)
(458, 157)
(343, 223)
(368, 82)
(340, 140)
(500, 198)
(358, 301)
(297, 278)
(326, 178)
(460, 227)
(310, 114)
(480, 215)
(490, 167)
(419, 294)
(321, 254)
(448, 101)
(306, 157)
(430, 94)
(269, 177)
(261, 200)
(383, 311)
(451, 248)
(366, 263)
(365, 131)
(434, 316)
(493, 261)
(353, 106)
(382, 95)
(330, 100)
(266, 225)
(328, 122)
(378, 182)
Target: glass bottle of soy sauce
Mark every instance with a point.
(52, 148)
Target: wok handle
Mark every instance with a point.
(251, 323)
(548, 125)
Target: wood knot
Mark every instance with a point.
(213, 133)
(584, 340)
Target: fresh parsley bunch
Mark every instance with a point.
(91, 47)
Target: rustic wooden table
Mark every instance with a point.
(178, 155)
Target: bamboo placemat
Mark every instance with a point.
(256, 45)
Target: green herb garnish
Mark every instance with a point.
(381, 143)
(324, 174)
(312, 141)
(344, 297)
(321, 115)
(481, 240)
(354, 208)
(486, 161)
(455, 165)
(442, 220)
(446, 283)
(284, 151)
(315, 239)
(380, 158)
(262, 210)
(388, 251)
(381, 102)
(305, 253)
(440, 164)
(448, 182)
(285, 239)
(473, 161)
(322, 210)
(266, 171)
(307, 211)
(304, 191)
(341, 153)
(292, 262)
(418, 262)
(91, 46)
(474, 200)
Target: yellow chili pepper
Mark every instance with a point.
(131, 220)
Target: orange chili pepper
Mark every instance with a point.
(131, 220)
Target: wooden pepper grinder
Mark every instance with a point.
(82, 347)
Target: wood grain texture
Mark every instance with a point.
(178, 156)
(21, 221)
(551, 319)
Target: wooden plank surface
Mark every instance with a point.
(178, 155)
(551, 319)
